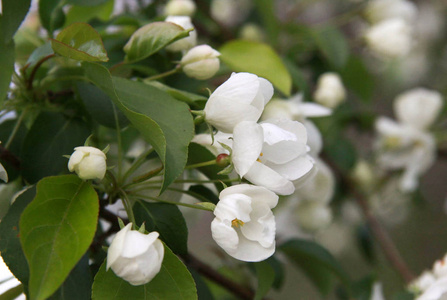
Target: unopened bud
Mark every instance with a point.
(223, 160)
(180, 8)
(201, 62)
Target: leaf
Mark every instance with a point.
(6, 68)
(86, 2)
(316, 262)
(266, 276)
(266, 10)
(10, 246)
(204, 192)
(259, 59)
(39, 53)
(10, 159)
(194, 100)
(172, 282)
(50, 137)
(298, 78)
(13, 13)
(163, 121)
(56, 229)
(333, 45)
(203, 291)
(87, 13)
(51, 14)
(357, 78)
(151, 38)
(80, 41)
(167, 220)
(100, 106)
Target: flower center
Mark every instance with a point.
(392, 142)
(260, 155)
(236, 223)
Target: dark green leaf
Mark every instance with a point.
(404, 296)
(6, 68)
(279, 272)
(12, 293)
(194, 100)
(51, 14)
(151, 38)
(362, 289)
(80, 41)
(266, 276)
(333, 45)
(10, 159)
(266, 9)
(259, 59)
(87, 13)
(56, 229)
(298, 78)
(39, 53)
(100, 106)
(205, 193)
(13, 13)
(51, 136)
(167, 220)
(86, 2)
(342, 152)
(358, 79)
(163, 121)
(203, 291)
(316, 262)
(173, 282)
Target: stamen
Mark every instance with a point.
(236, 223)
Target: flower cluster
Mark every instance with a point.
(431, 284)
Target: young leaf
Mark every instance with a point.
(87, 13)
(167, 220)
(151, 38)
(259, 59)
(39, 53)
(51, 14)
(173, 282)
(56, 229)
(80, 41)
(333, 45)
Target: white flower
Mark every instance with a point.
(423, 282)
(272, 154)
(88, 163)
(436, 291)
(134, 256)
(440, 267)
(201, 62)
(418, 107)
(184, 43)
(241, 98)
(244, 225)
(391, 38)
(380, 10)
(377, 292)
(330, 91)
(313, 216)
(3, 174)
(206, 140)
(180, 8)
(230, 12)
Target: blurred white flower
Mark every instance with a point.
(363, 175)
(3, 174)
(380, 10)
(440, 267)
(244, 225)
(180, 8)
(271, 154)
(230, 12)
(390, 38)
(418, 107)
(201, 62)
(241, 98)
(251, 32)
(330, 91)
(423, 282)
(377, 292)
(134, 256)
(436, 291)
(184, 43)
(88, 163)
(313, 216)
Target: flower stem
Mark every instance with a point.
(139, 196)
(15, 129)
(36, 67)
(202, 164)
(128, 206)
(165, 74)
(138, 162)
(118, 137)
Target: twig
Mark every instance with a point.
(36, 67)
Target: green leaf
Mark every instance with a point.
(357, 78)
(51, 136)
(333, 45)
(86, 2)
(203, 291)
(167, 220)
(13, 13)
(39, 53)
(172, 282)
(100, 106)
(151, 38)
(259, 59)
(6, 68)
(10, 246)
(266, 9)
(51, 14)
(87, 13)
(316, 262)
(266, 276)
(193, 100)
(56, 229)
(10, 159)
(298, 78)
(80, 41)
(163, 121)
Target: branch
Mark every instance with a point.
(390, 250)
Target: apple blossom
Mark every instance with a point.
(180, 8)
(271, 154)
(184, 43)
(3, 174)
(330, 91)
(241, 98)
(244, 225)
(206, 140)
(200, 62)
(134, 256)
(440, 267)
(88, 163)
(230, 12)
(390, 38)
(379, 10)
(423, 282)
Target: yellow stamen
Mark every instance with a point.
(236, 223)
(260, 155)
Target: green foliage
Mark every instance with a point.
(173, 282)
(79, 13)
(51, 14)
(333, 45)
(80, 41)
(56, 229)
(259, 59)
(266, 277)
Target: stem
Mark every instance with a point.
(165, 74)
(137, 163)
(202, 164)
(118, 137)
(36, 67)
(15, 129)
(390, 250)
(128, 206)
(170, 202)
(189, 193)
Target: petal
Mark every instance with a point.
(436, 290)
(282, 152)
(314, 139)
(294, 127)
(91, 167)
(75, 159)
(257, 193)
(294, 169)
(247, 145)
(320, 187)
(3, 174)
(225, 115)
(266, 89)
(261, 228)
(225, 236)
(117, 245)
(274, 134)
(233, 206)
(240, 88)
(252, 251)
(136, 243)
(314, 110)
(262, 175)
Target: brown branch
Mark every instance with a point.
(384, 240)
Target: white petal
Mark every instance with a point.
(294, 169)
(3, 174)
(314, 139)
(257, 193)
(310, 110)
(262, 226)
(252, 251)
(274, 134)
(75, 159)
(247, 145)
(320, 187)
(114, 251)
(234, 206)
(226, 115)
(282, 152)
(294, 127)
(225, 236)
(262, 175)
(137, 243)
(240, 88)
(266, 89)
(435, 291)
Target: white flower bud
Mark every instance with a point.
(391, 38)
(134, 256)
(180, 8)
(418, 107)
(3, 174)
(184, 43)
(88, 163)
(252, 32)
(380, 10)
(313, 216)
(201, 62)
(330, 91)
(230, 12)
(363, 174)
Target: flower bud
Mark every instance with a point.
(330, 91)
(134, 256)
(313, 216)
(201, 62)
(88, 163)
(180, 8)
(184, 43)
(223, 160)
